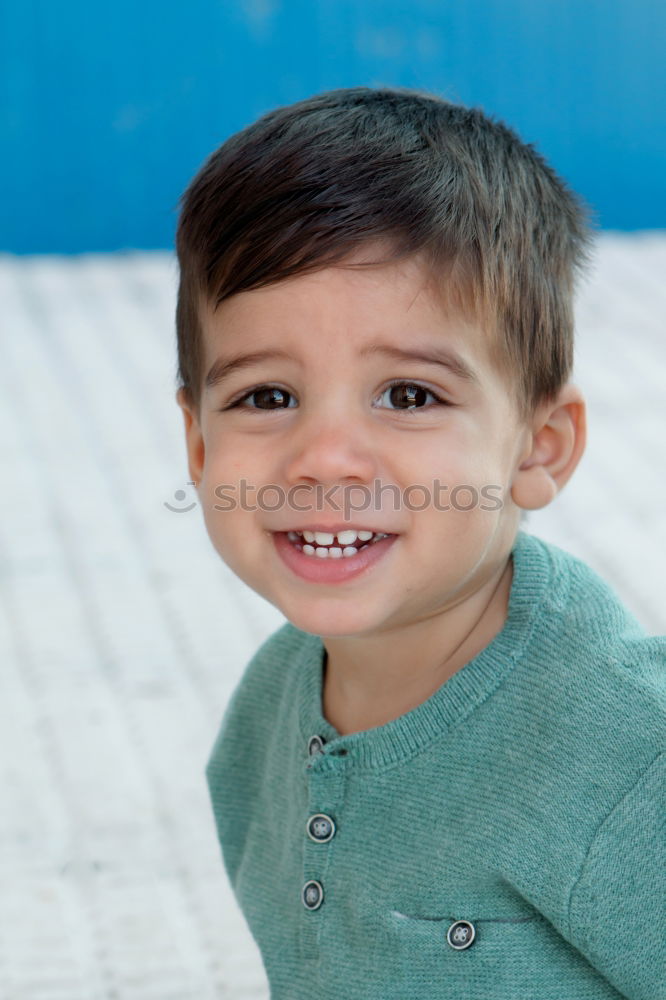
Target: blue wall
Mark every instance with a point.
(108, 110)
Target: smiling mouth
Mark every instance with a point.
(341, 545)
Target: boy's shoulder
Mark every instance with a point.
(576, 595)
(590, 663)
(266, 686)
(282, 646)
(261, 687)
(582, 619)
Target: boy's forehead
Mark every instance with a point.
(405, 301)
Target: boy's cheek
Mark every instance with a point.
(226, 534)
(239, 551)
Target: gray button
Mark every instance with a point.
(320, 828)
(316, 745)
(313, 895)
(461, 934)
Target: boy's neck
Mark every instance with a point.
(367, 685)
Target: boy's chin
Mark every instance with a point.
(329, 624)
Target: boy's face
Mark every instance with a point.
(336, 426)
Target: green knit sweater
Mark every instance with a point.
(505, 840)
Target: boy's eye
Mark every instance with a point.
(409, 395)
(266, 397)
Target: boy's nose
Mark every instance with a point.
(330, 451)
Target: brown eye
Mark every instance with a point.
(270, 398)
(265, 397)
(409, 396)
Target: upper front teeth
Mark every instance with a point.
(344, 537)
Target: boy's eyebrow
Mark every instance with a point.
(430, 355)
(223, 367)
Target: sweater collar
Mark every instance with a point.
(472, 684)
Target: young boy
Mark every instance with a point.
(444, 776)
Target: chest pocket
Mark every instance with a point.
(466, 957)
(458, 937)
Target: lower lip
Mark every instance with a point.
(314, 569)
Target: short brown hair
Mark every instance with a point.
(307, 184)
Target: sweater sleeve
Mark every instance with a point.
(618, 905)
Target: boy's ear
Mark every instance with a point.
(193, 438)
(556, 442)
